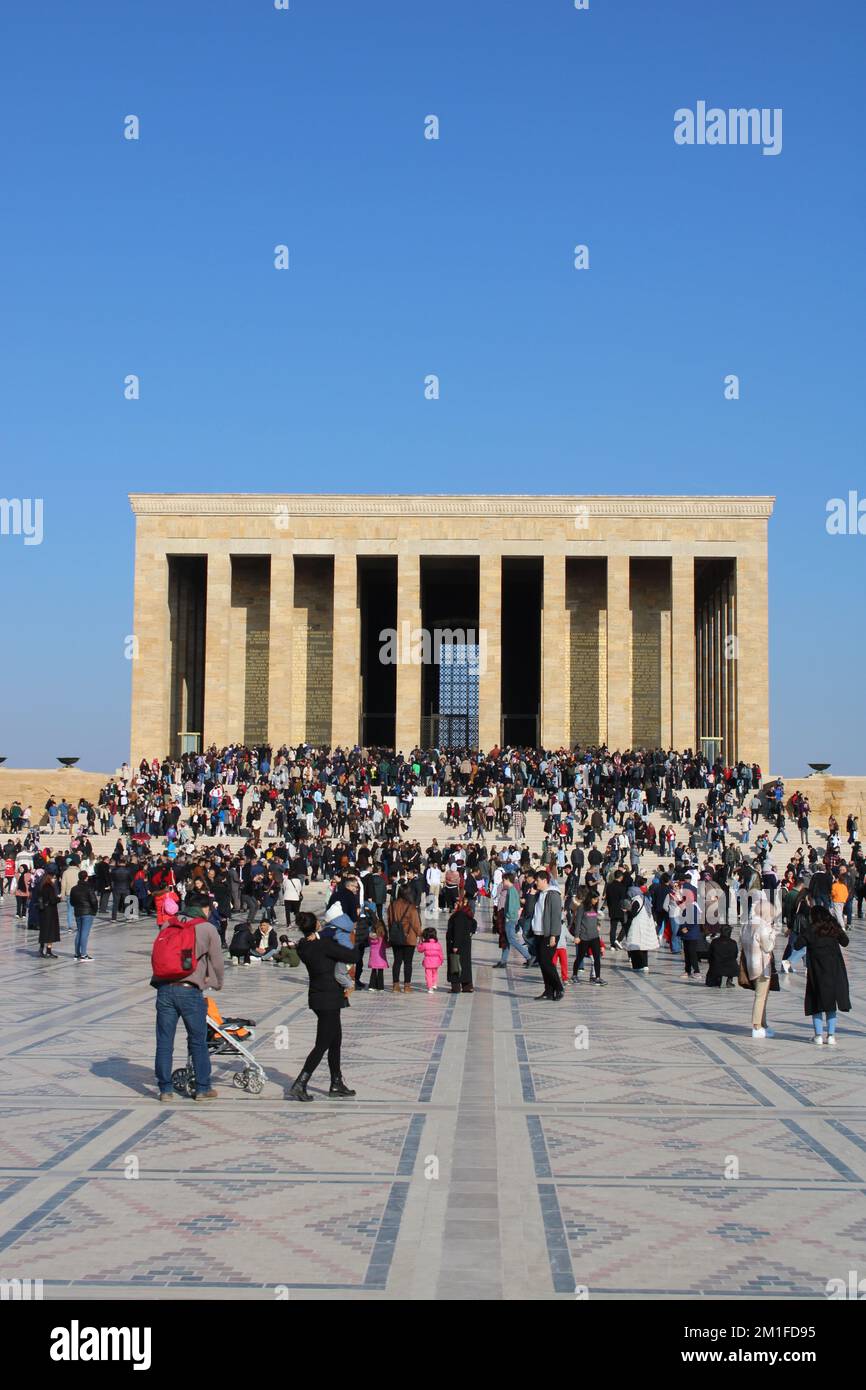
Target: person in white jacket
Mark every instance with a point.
(641, 937)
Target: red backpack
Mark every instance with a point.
(173, 956)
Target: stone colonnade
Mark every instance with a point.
(629, 621)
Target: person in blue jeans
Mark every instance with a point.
(185, 1000)
(84, 904)
(510, 920)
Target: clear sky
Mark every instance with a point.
(412, 256)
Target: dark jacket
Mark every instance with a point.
(84, 900)
(722, 960)
(49, 922)
(461, 929)
(121, 879)
(826, 976)
(320, 955)
(242, 939)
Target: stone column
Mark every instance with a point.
(216, 649)
(150, 736)
(490, 650)
(346, 697)
(683, 697)
(555, 657)
(281, 649)
(407, 731)
(619, 656)
(752, 634)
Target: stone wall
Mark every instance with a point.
(832, 796)
(586, 600)
(33, 786)
(650, 615)
(313, 648)
(249, 650)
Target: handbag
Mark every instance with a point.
(743, 974)
(455, 969)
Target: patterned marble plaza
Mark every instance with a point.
(490, 1154)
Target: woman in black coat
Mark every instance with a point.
(826, 976)
(49, 922)
(722, 959)
(326, 998)
(458, 946)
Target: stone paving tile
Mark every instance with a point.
(486, 1156)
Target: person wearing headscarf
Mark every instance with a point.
(641, 936)
(49, 921)
(458, 947)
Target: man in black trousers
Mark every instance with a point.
(546, 927)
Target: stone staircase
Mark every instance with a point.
(425, 825)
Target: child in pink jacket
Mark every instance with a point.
(431, 950)
(378, 961)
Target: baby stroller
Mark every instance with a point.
(224, 1037)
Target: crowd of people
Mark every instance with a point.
(702, 885)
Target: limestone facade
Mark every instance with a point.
(650, 614)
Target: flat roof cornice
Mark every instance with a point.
(446, 504)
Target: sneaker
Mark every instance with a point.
(166, 1096)
(686, 975)
(786, 967)
(594, 981)
(431, 991)
(759, 1032)
(831, 1040)
(85, 957)
(207, 1095)
(818, 1040)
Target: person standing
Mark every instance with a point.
(68, 880)
(546, 927)
(458, 947)
(641, 936)
(49, 921)
(326, 998)
(85, 905)
(404, 933)
(826, 977)
(184, 965)
(757, 940)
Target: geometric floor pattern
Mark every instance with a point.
(632, 1141)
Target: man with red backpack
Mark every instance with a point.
(186, 959)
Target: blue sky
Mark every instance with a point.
(411, 256)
